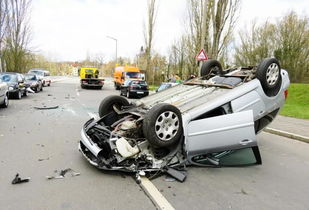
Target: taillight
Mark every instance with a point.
(84, 81)
(286, 92)
(131, 87)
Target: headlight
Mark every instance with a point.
(11, 88)
(33, 84)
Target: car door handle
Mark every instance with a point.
(245, 141)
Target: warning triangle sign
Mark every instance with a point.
(201, 56)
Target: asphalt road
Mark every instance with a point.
(34, 143)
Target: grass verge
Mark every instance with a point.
(297, 104)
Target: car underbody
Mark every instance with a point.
(166, 131)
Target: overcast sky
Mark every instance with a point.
(66, 30)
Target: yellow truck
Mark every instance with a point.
(123, 73)
(89, 77)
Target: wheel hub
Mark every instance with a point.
(272, 74)
(167, 125)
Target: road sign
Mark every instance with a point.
(201, 56)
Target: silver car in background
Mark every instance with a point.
(212, 121)
(4, 94)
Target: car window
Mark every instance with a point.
(238, 157)
(164, 86)
(9, 78)
(30, 77)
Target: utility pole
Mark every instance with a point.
(204, 16)
(116, 46)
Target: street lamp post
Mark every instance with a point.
(116, 45)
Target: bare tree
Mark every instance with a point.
(16, 52)
(210, 26)
(287, 40)
(3, 26)
(148, 35)
(224, 14)
(257, 43)
(293, 45)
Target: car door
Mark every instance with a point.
(225, 140)
(2, 90)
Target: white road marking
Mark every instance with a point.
(77, 91)
(155, 194)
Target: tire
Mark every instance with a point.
(25, 93)
(18, 95)
(5, 102)
(106, 105)
(128, 94)
(162, 125)
(269, 74)
(41, 88)
(36, 90)
(211, 67)
(48, 84)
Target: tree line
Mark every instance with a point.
(208, 25)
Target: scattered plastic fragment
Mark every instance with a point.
(179, 175)
(46, 107)
(62, 173)
(18, 180)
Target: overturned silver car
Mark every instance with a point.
(208, 121)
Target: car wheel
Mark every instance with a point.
(25, 93)
(211, 67)
(269, 74)
(162, 125)
(106, 105)
(5, 102)
(128, 94)
(18, 95)
(48, 84)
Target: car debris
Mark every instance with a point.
(61, 174)
(46, 107)
(210, 121)
(18, 180)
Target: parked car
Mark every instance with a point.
(4, 94)
(34, 82)
(134, 88)
(212, 121)
(16, 83)
(165, 85)
(43, 75)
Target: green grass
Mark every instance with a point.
(297, 104)
(153, 87)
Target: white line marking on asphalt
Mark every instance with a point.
(155, 194)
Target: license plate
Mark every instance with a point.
(140, 92)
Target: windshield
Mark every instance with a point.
(134, 75)
(164, 86)
(38, 72)
(30, 77)
(89, 71)
(8, 77)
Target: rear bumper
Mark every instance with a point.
(139, 92)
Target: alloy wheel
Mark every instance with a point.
(167, 125)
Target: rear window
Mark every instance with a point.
(30, 77)
(138, 83)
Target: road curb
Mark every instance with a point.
(287, 134)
